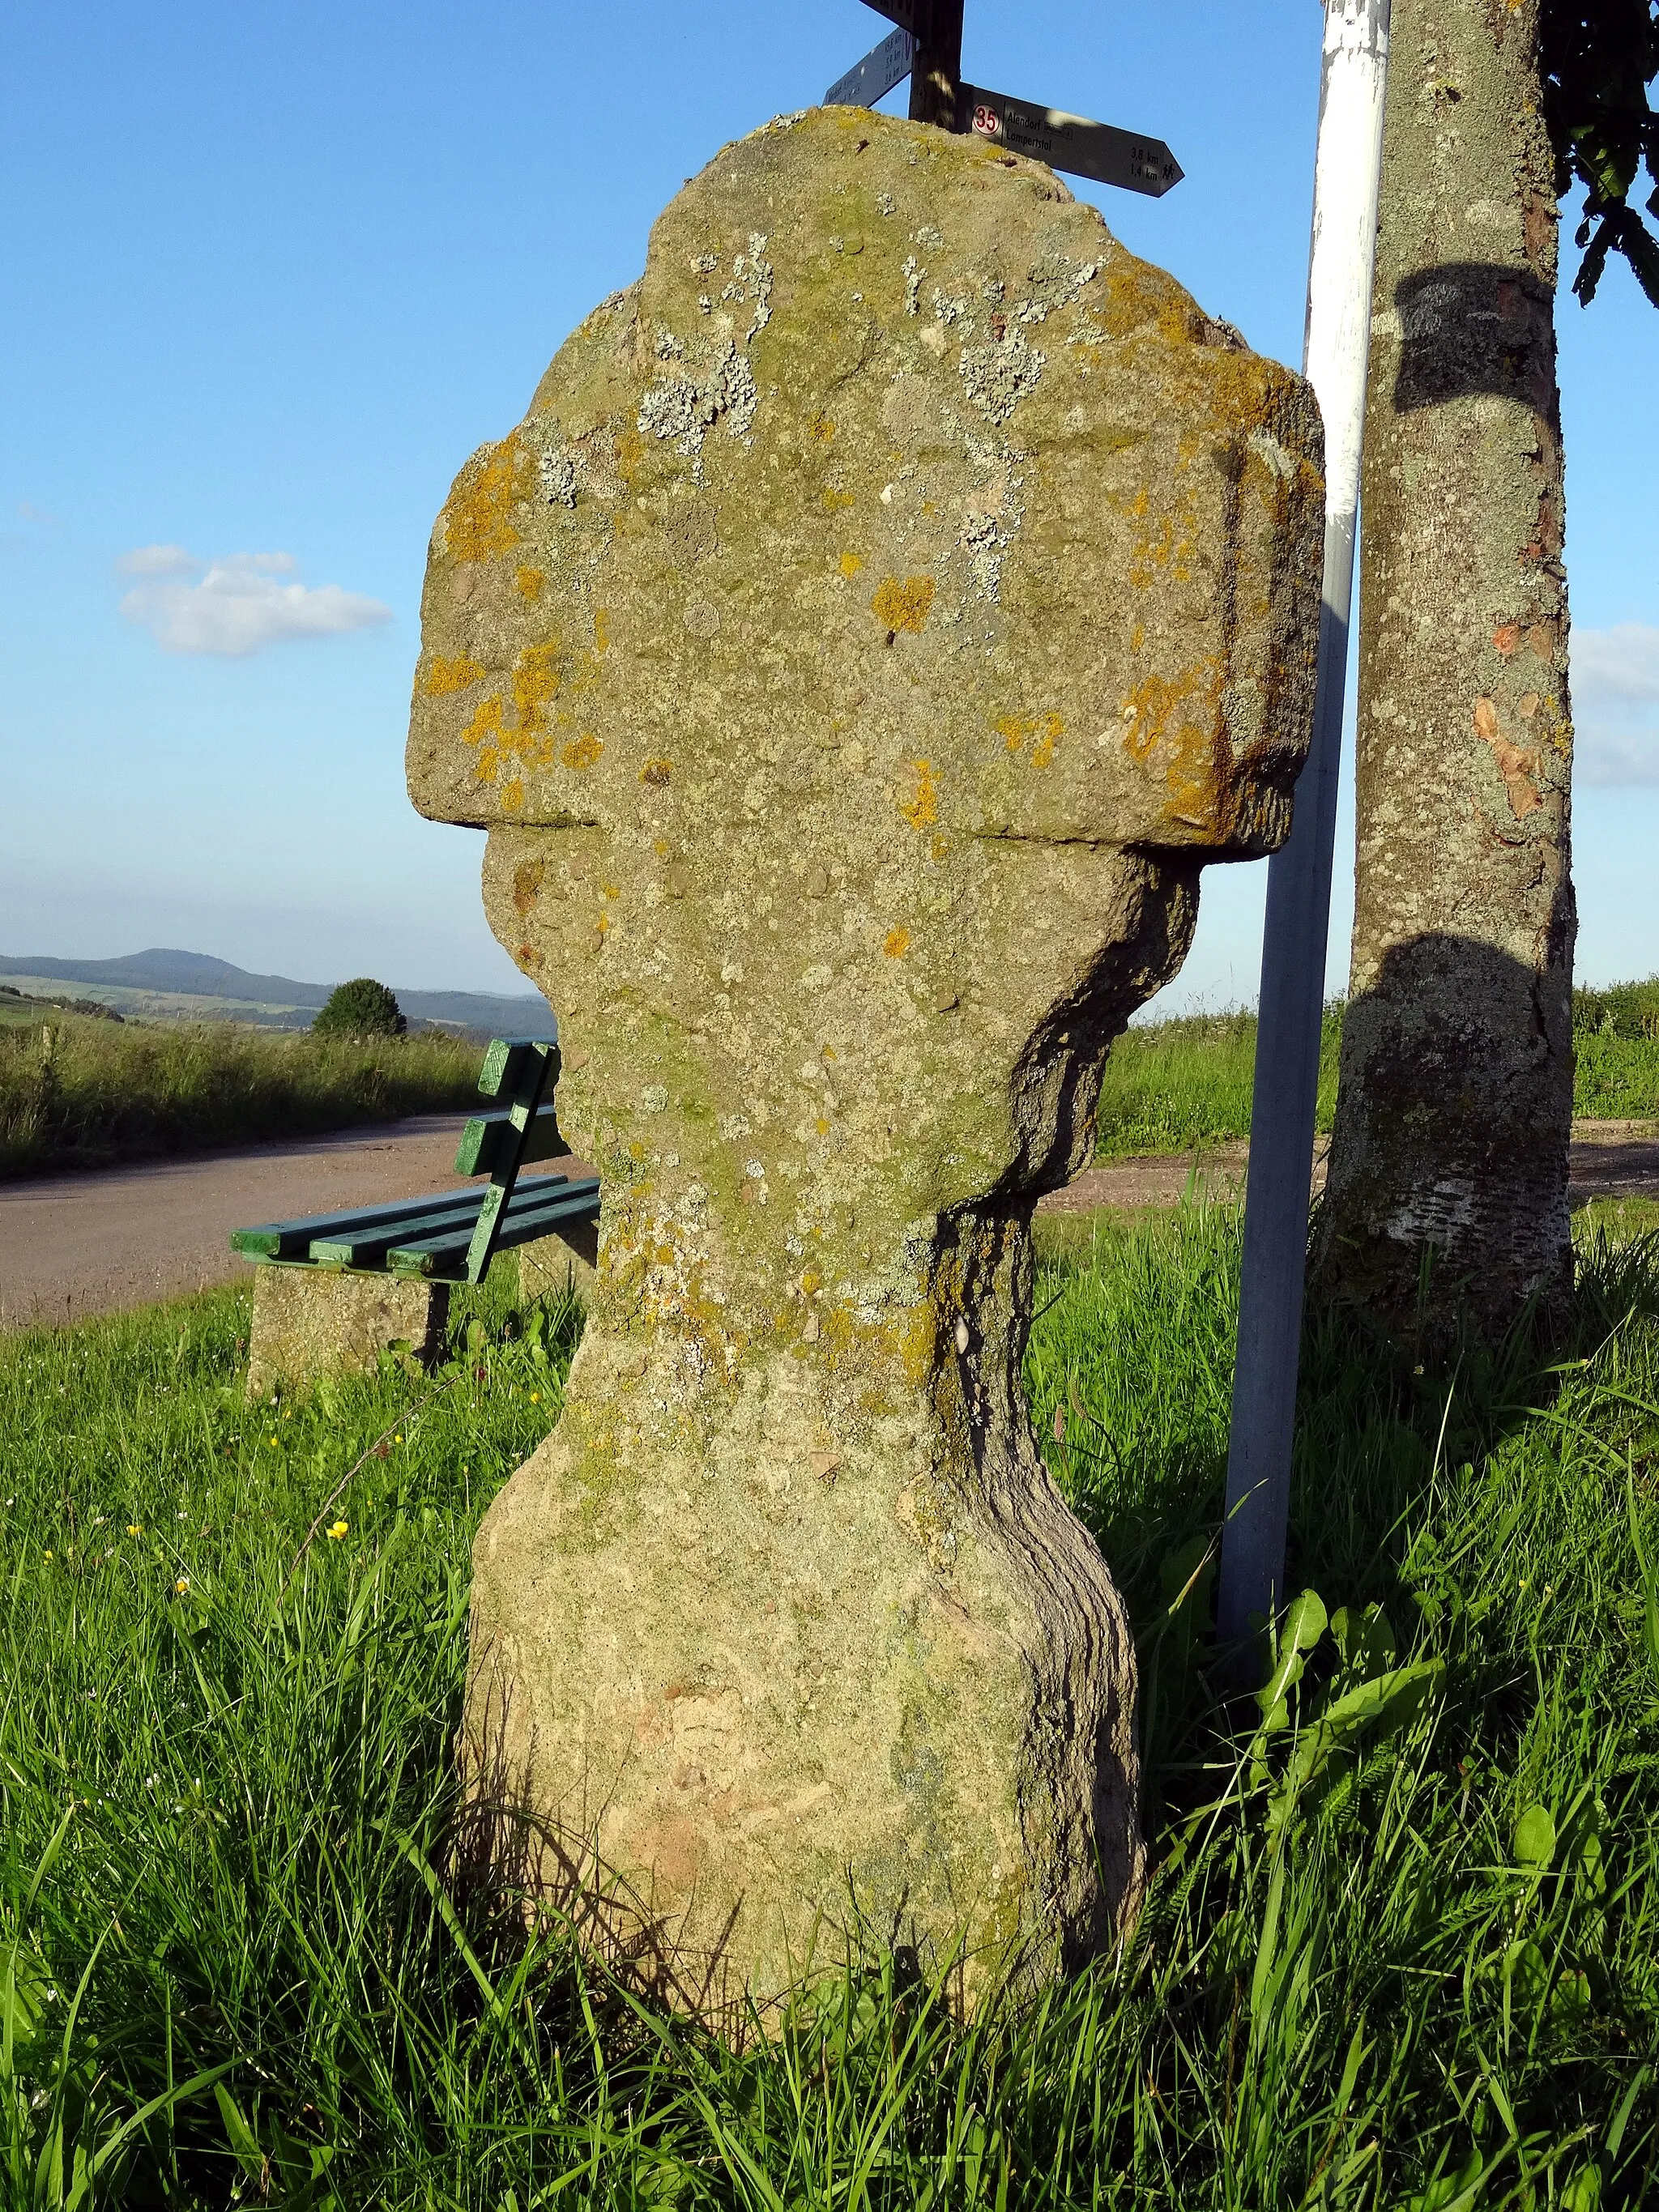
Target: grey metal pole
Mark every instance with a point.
(1349, 162)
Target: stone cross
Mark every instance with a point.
(886, 608)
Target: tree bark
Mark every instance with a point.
(1449, 1166)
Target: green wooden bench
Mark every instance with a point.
(334, 1288)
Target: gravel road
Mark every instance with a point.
(1609, 1160)
(100, 1242)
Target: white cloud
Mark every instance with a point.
(157, 561)
(236, 606)
(1615, 704)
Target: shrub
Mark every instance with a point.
(360, 1008)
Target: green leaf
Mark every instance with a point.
(1582, 2191)
(1365, 1639)
(1303, 1626)
(243, 2140)
(1386, 1702)
(1534, 1839)
(1304, 1620)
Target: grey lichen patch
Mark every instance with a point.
(558, 476)
(998, 376)
(802, 812)
(686, 405)
(1054, 284)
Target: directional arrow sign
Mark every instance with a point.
(1071, 141)
(881, 68)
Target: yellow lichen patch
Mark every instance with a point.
(919, 805)
(1191, 779)
(1044, 731)
(601, 631)
(1151, 706)
(477, 521)
(850, 564)
(656, 771)
(529, 582)
(898, 943)
(527, 883)
(582, 751)
(821, 428)
(446, 675)
(488, 761)
(486, 722)
(941, 846)
(535, 683)
(902, 606)
(829, 499)
(512, 795)
(627, 446)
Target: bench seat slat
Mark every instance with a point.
(283, 1240)
(531, 1213)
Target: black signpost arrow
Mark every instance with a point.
(1071, 143)
(926, 45)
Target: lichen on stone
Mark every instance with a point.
(846, 787)
(998, 376)
(689, 402)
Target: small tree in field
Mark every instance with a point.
(362, 1008)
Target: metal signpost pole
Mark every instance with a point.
(1337, 333)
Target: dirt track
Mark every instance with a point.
(71, 1245)
(99, 1243)
(1610, 1159)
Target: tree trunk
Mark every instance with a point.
(1449, 1166)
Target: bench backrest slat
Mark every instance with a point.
(521, 1069)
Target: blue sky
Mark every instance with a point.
(272, 274)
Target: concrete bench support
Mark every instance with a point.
(562, 1265)
(310, 1321)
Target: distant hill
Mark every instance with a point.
(219, 986)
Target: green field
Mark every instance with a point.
(100, 1091)
(1401, 1945)
(1173, 1085)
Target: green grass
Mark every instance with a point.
(1171, 1086)
(1401, 1944)
(105, 1091)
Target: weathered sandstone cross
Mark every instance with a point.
(885, 609)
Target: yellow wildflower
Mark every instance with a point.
(182, 1584)
(338, 1530)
